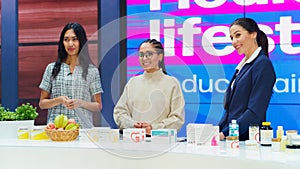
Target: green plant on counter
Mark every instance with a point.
(22, 112)
(7, 116)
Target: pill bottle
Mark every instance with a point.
(266, 134)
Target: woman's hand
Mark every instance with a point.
(65, 100)
(138, 125)
(222, 137)
(148, 128)
(73, 103)
(145, 125)
(77, 103)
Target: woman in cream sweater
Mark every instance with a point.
(152, 100)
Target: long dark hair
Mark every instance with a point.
(84, 57)
(251, 26)
(160, 50)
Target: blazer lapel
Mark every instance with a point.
(228, 90)
(241, 74)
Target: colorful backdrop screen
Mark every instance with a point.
(198, 50)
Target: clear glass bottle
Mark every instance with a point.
(266, 134)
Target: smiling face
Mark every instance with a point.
(243, 41)
(71, 43)
(149, 58)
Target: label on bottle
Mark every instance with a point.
(233, 129)
(254, 133)
(232, 142)
(266, 137)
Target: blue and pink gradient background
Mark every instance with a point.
(204, 106)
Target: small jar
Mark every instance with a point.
(232, 142)
(296, 140)
(254, 132)
(289, 135)
(276, 144)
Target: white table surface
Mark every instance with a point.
(82, 153)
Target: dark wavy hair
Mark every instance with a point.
(84, 57)
(159, 49)
(251, 26)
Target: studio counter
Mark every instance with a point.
(83, 153)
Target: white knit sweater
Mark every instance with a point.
(154, 98)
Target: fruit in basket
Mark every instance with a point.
(63, 129)
(71, 126)
(71, 121)
(50, 126)
(61, 121)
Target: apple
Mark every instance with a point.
(71, 121)
(50, 126)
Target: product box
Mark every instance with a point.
(38, 133)
(190, 133)
(134, 135)
(23, 133)
(103, 134)
(173, 136)
(207, 135)
(164, 136)
(94, 133)
(202, 134)
(109, 136)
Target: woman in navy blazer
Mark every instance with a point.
(248, 94)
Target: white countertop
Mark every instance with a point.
(131, 153)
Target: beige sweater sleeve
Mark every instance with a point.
(122, 114)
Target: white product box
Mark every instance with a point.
(203, 134)
(134, 135)
(103, 135)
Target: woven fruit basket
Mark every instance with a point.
(62, 135)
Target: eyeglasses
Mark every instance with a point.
(148, 54)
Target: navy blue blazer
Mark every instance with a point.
(248, 100)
